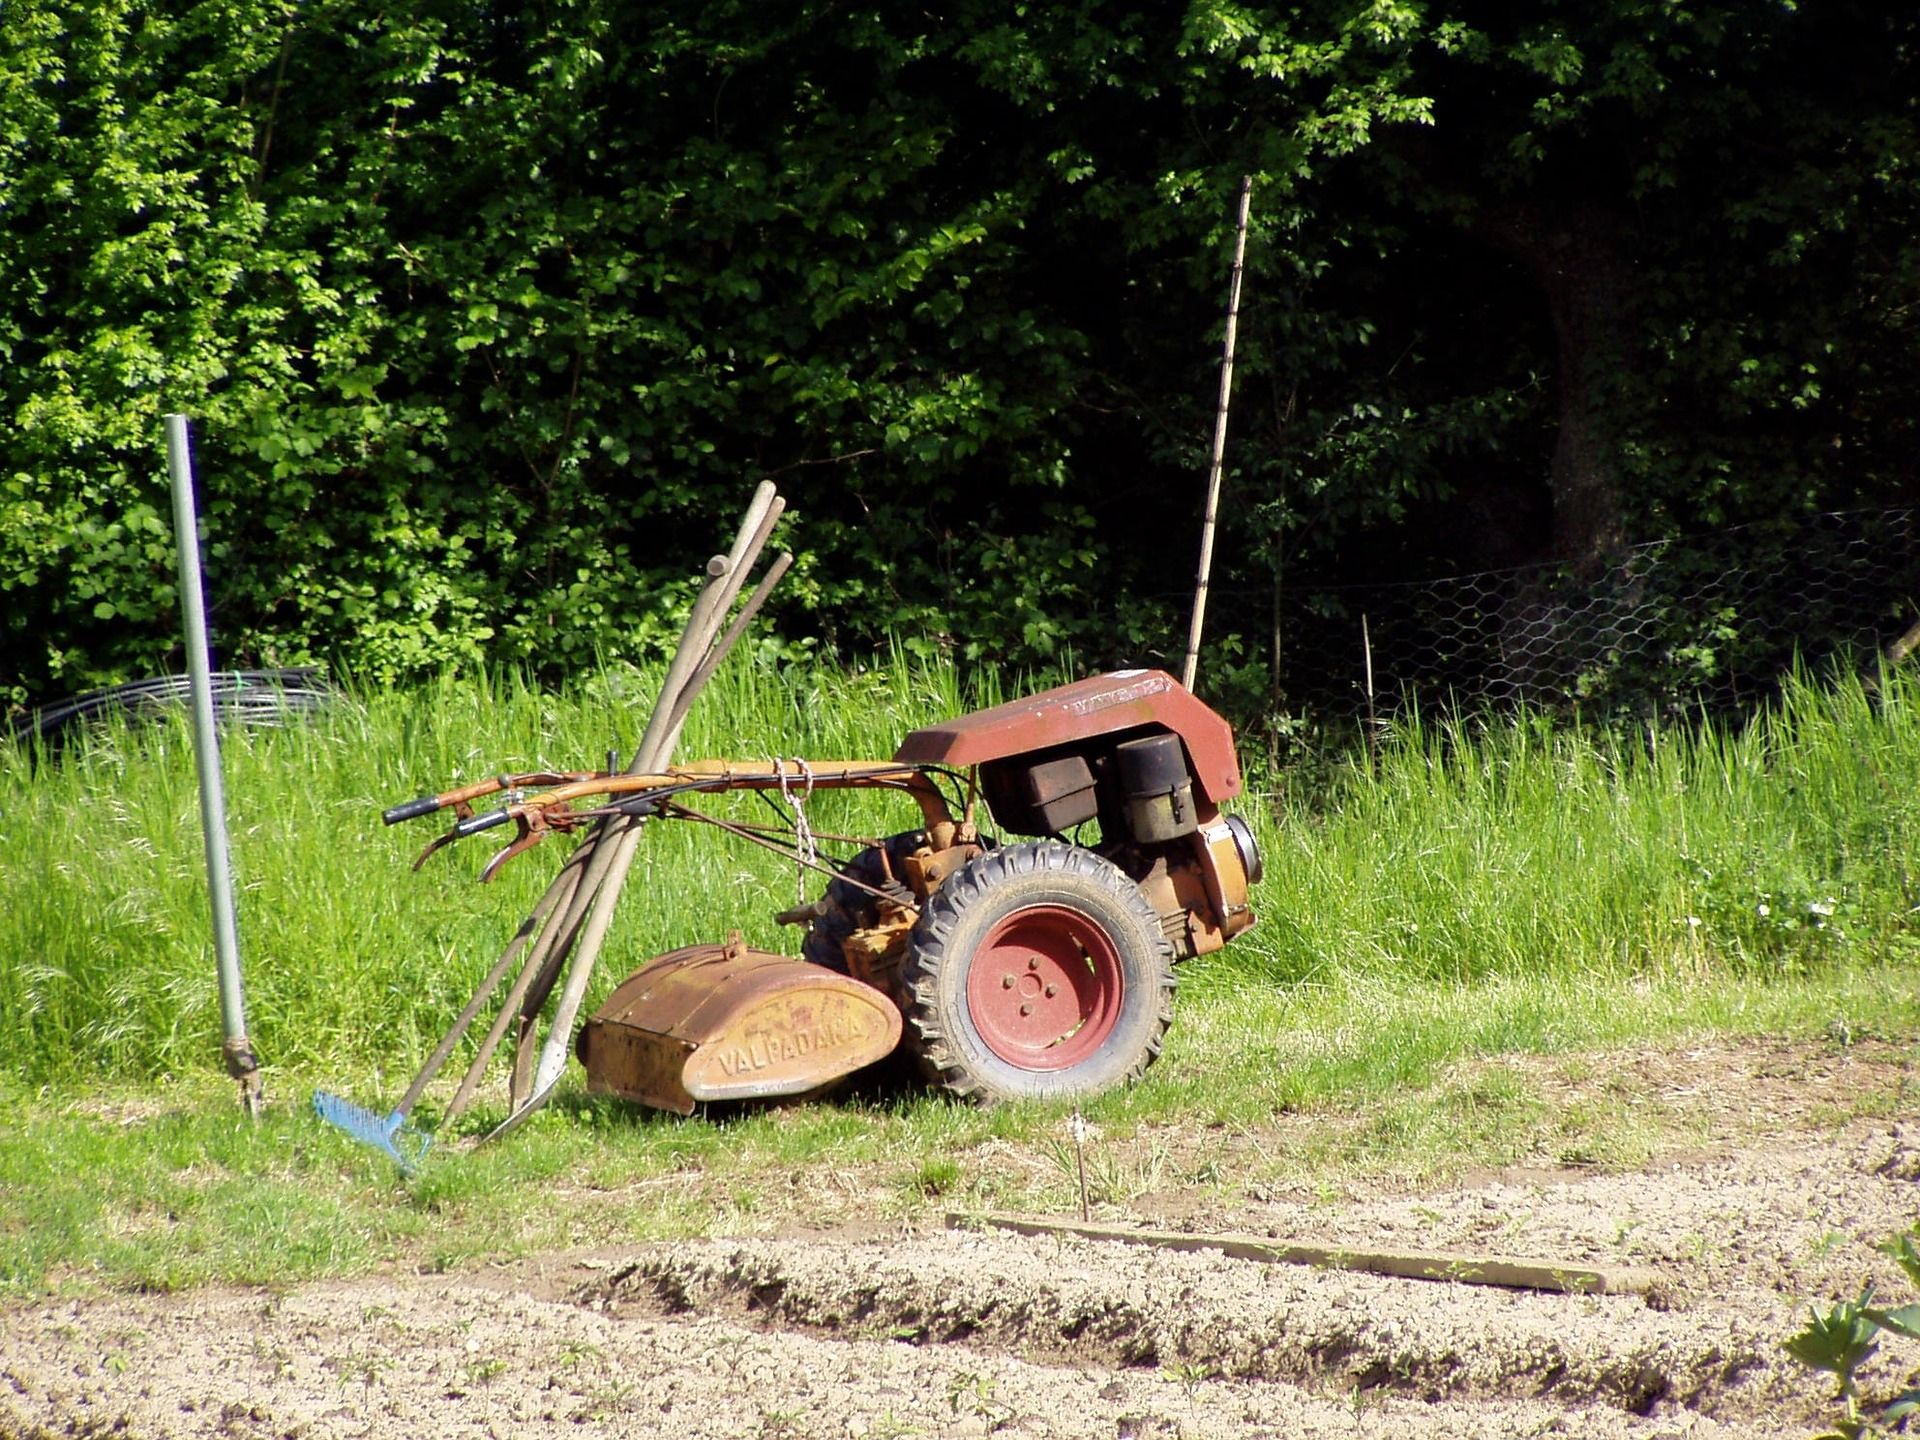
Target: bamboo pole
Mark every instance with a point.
(1373, 720)
(1214, 466)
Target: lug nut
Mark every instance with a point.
(1052, 990)
(1006, 982)
(1033, 962)
(1027, 1009)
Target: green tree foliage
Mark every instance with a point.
(1714, 202)
(489, 317)
(1649, 268)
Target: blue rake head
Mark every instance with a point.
(389, 1133)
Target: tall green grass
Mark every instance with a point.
(1462, 855)
(1476, 888)
(1471, 849)
(106, 963)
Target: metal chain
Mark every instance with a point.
(805, 851)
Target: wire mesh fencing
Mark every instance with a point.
(1664, 628)
(245, 697)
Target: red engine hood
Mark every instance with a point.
(1102, 705)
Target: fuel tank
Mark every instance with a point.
(723, 1022)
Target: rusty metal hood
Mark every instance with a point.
(723, 1022)
(1102, 705)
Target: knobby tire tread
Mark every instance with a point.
(931, 952)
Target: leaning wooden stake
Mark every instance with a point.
(1894, 656)
(570, 920)
(1219, 439)
(603, 843)
(558, 897)
(1906, 645)
(465, 1020)
(616, 840)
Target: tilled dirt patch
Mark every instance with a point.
(460, 1359)
(927, 1331)
(1073, 1302)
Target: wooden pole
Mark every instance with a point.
(579, 901)
(1208, 524)
(1900, 649)
(616, 841)
(557, 942)
(1373, 720)
(559, 897)
(1569, 1277)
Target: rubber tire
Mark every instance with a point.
(966, 910)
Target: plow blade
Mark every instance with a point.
(722, 1022)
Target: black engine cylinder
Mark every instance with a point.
(1158, 788)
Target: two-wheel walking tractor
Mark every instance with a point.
(1033, 968)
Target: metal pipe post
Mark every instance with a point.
(237, 1049)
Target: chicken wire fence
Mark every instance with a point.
(1665, 627)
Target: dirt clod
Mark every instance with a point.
(1894, 1154)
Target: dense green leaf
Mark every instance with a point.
(488, 320)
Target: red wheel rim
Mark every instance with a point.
(1044, 988)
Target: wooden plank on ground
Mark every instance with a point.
(1570, 1277)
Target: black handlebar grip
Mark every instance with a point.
(412, 810)
(485, 820)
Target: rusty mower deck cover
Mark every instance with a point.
(1102, 705)
(722, 1022)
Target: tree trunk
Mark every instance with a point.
(1576, 257)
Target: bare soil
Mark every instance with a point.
(835, 1326)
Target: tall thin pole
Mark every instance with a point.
(237, 1049)
(1219, 438)
(1373, 720)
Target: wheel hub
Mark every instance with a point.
(1044, 990)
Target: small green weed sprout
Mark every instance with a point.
(940, 1175)
(975, 1396)
(1189, 1374)
(1844, 1337)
